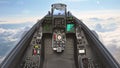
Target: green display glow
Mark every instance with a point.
(70, 27)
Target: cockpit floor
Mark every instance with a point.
(59, 60)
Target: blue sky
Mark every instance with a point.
(19, 10)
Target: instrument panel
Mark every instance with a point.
(58, 40)
(47, 25)
(59, 23)
(67, 23)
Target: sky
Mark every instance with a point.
(103, 16)
(19, 11)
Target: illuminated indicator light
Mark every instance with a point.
(34, 51)
(36, 46)
(54, 36)
(59, 37)
(70, 27)
(54, 48)
(81, 51)
(38, 51)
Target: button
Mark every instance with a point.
(38, 52)
(82, 51)
(59, 37)
(36, 46)
(54, 48)
(38, 37)
(54, 36)
(34, 52)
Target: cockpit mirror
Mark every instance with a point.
(58, 9)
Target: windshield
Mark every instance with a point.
(58, 12)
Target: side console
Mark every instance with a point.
(32, 56)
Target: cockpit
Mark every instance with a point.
(59, 40)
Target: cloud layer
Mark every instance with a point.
(109, 30)
(9, 38)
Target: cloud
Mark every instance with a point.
(105, 28)
(10, 37)
(3, 21)
(107, 24)
(112, 42)
(95, 19)
(102, 24)
(1, 59)
(103, 14)
(20, 19)
(13, 34)
(111, 38)
(109, 30)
